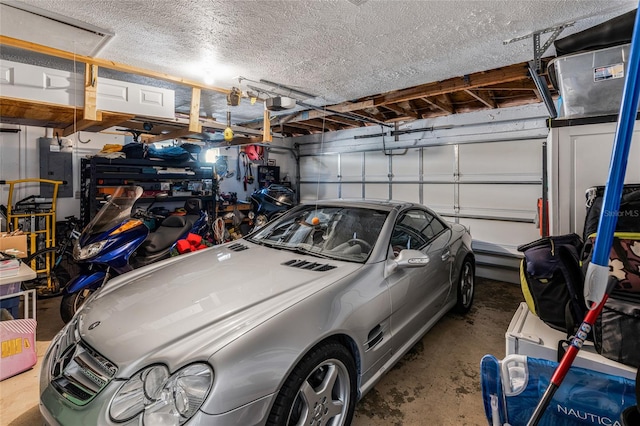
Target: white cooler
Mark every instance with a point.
(529, 335)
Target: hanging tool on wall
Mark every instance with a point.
(250, 176)
(238, 177)
(245, 164)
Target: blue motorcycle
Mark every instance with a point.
(117, 241)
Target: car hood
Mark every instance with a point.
(192, 305)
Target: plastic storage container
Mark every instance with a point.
(591, 83)
(11, 304)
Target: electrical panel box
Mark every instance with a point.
(56, 163)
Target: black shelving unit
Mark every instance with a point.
(99, 172)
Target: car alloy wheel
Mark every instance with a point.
(320, 391)
(466, 287)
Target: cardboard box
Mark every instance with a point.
(16, 245)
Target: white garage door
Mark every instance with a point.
(492, 187)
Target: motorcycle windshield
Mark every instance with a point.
(115, 211)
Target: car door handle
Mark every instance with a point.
(446, 254)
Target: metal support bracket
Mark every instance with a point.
(538, 50)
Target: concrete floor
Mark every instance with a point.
(436, 383)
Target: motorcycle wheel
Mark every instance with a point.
(71, 303)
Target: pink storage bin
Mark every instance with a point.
(18, 346)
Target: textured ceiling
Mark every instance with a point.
(336, 50)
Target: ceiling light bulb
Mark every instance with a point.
(253, 100)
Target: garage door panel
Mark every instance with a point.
(406, 192)
(351, 166)
(376, 190)
(507, 235)
(501, 160)
(324, 191)
(439, 197)
(351, 190)
(438, 162)
(376, 166)
(407, 166)
(321, 167)
(499, 196)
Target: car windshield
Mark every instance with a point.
(343, 233)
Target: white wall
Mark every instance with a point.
(20, 159)
(579, 159)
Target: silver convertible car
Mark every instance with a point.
(290, 325)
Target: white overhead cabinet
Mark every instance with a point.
(35, 83)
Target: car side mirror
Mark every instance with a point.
(411, 259)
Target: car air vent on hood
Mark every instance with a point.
(237, 247)
(313, 266)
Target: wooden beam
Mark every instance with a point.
(266, 127)
(180, 133)
(90, 92)
(110, 119)
(343, 120)
(434, 114)
(81, 125)
(321, 124)
(471, 81)
(448, 108)
(400, 111)
(194, 114)
(34, 47)
(484, 97)
(25, 111)
(351, 106)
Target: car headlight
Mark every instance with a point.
(81, 253)
(163, 398)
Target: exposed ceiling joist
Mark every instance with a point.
(484, 97)
(442, 106)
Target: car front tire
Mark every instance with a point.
(466, 287)
(321, 390)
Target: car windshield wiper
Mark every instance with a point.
(303, 250)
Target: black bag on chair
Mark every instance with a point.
(552, 281)
(616, 332)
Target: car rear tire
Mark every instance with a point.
(71, 302)
(321, 390)
(466, 287)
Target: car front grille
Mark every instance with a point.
(78, 372)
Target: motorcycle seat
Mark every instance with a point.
(171, 229)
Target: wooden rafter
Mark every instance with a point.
(442, 106)
(484, 97)
(471, 81)
(402, 112)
